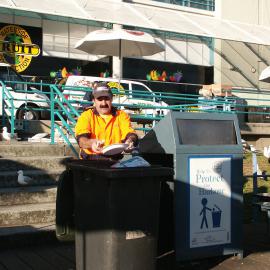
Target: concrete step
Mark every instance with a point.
(33, 163)
(26, 149)
(27, 213)
(18, 215)
(32, 234)
(40, 177)
(27, 195)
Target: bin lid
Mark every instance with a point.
(103, 168)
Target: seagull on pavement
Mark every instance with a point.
(23, 179)
(5, 135)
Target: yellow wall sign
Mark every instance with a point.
(16, 47)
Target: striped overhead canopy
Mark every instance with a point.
(145, 15)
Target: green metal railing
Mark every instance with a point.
(7, 101)
(10, 101)
(67, 111)
(57, 106)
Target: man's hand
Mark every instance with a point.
(130, 147)
(94, 144)
(97, 146)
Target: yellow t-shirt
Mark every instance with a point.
(112, 128)
(106, 117)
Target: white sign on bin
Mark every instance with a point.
(210, 200)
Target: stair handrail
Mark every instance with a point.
(7, 97)
(57, 98)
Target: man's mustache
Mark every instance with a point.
(104, 106)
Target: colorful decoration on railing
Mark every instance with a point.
(63, 73)
(154, 75)
(105, 74)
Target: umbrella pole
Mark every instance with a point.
(120, 60)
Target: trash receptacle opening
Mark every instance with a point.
(104, 169)
(95, 161)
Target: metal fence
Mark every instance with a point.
(58, 105)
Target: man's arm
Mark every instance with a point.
(93, 144)
(131, 138)
(129, 135)
(83, 134)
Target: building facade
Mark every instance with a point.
(209, 41)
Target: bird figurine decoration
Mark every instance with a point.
(5, 135)
(266, 151)
(23, 179)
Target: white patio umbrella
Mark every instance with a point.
(119, 42)
(265, 75)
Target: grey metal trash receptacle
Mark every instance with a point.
(116, 215)
(206, 152)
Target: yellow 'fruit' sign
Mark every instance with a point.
(19, 49)
(16, 45)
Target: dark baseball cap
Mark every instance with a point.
(102, 90)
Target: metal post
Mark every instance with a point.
(255, 186)
(254, 171)
(12, 124)
(3, 105)
(52, 114)
(117, 61)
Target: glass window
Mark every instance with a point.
(141, 92)
(122, 88)
(200, 4)
(125, 87)
(13, 76)
(8, 74)
(3, 74)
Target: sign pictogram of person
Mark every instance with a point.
(203, 212)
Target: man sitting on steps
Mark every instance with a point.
(103, 125)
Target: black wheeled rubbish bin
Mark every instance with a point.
(116, 215)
